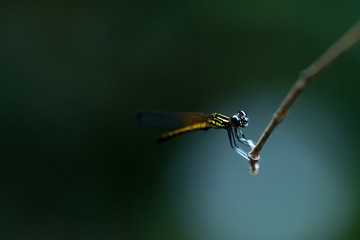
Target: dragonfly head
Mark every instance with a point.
(240, 119)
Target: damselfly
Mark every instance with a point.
(196, 121)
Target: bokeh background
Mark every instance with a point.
(75, 165)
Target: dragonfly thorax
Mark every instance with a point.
(239, 120)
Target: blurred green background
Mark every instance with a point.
(75, 165)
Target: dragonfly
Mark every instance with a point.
(188, 122)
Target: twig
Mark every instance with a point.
(306, 76)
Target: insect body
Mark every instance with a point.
(196, 121)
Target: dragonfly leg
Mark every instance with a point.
(232, 138)
(243, 140)
(234, 146)
(229, 130)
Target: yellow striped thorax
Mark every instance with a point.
(219, 121)
(222, 121)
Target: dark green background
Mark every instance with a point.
(73, 162)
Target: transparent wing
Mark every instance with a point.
(170, 120)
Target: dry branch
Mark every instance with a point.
(348, 40)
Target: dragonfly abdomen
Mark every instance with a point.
(202, 125)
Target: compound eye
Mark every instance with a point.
(242, 113)
(245, 122)
(236, 119)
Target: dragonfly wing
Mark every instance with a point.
(165, 119)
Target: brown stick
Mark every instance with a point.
(329, 56)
